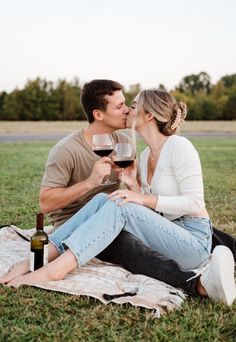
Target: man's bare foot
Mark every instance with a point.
(17, 271)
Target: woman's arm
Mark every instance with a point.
(186, 166)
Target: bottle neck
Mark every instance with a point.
(39, 221)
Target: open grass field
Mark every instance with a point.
(31, 314)
(46, 127)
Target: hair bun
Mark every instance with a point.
(179, 113)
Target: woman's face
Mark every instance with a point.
(132, 113)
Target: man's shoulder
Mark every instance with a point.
(72, 138)
(66, 146)
(69, 142)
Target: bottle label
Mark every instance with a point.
(31, 262)
(45, 254)
(38, 258)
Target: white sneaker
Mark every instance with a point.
(218, 278)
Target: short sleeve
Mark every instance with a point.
(59, 168)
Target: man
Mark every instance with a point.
(74, 174)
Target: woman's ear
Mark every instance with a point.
(97, 114)
(149, 116)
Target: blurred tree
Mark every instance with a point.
(12, 106)
(3, 96)
(218, 95)
(69, 99)
(45, 100)
(195, 83)
(131, 93)
(229, 80)
(207, 108)
(179, 96)
(229, 111)
(35, 98)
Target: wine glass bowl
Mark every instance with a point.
(123, 163)
(124, 155)
(103, 145)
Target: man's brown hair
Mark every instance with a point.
(93, 96)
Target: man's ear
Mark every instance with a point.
(97, 114)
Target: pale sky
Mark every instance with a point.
(131, 41)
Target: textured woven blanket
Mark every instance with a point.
(104, 281)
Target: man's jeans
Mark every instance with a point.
(133, 255)
(99, 222)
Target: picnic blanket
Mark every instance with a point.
(104, 281)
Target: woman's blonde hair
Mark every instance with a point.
(168, 113)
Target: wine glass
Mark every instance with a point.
(103, 145)
(124, 155)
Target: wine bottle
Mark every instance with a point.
(38, 245)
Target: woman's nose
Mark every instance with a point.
(127, 110)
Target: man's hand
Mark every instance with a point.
(51, 199)
(101, 169)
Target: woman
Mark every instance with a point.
(167, 213)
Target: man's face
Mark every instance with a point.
(116, 111)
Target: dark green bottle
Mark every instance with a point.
(38, 245)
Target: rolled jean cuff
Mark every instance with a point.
(66, 246)
(60, 248)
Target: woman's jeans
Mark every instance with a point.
(99, 222)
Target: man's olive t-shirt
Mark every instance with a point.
(71, 161)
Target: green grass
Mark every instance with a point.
(31, 314)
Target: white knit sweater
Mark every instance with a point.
(177, 180)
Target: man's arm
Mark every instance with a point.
(53, 198)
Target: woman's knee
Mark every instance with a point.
(101, 196)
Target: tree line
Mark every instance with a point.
(45, 100)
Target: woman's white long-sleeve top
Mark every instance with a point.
(177, 180)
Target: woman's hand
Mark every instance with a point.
(128, 196)
(129, 175)
(149, 201)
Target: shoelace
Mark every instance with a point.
(201, 270)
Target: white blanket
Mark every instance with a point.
(96, 279)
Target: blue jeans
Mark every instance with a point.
(186, 240)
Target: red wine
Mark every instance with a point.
(103, 152)
(124, 163)
(38, 246)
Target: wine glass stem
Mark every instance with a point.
(122, 177)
